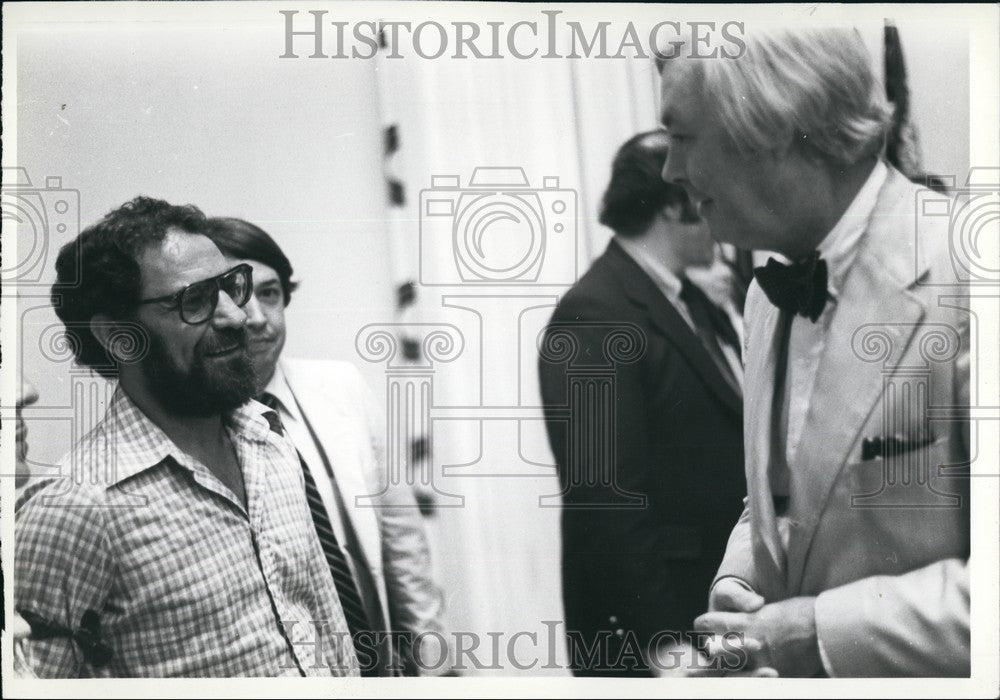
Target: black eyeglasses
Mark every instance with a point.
(197, 301)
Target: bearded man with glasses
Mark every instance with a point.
(176, 540)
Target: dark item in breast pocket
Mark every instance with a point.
(889, 447)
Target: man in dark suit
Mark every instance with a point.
(640, 378)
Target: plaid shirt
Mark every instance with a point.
(186, 582)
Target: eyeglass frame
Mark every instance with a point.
(176, 297)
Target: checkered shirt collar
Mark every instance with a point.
(140, 444)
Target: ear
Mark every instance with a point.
(124, 342)
(103, 327)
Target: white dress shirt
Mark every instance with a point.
(807, 340)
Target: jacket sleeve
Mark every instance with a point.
(916, 624)
(587, 335)
(416, 602)
(609, 532)
(738, 558)
(737, 562)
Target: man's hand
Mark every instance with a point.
(717, 660)
(785, 632)
(731, 594)
(20, 630)
(18, 626)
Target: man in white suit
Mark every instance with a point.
(851, 557)
(377, 548)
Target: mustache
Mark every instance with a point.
(225, 339)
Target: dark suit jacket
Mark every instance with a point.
(639, 550)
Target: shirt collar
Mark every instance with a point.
(279, 389)
(139, 443)
(669, 283)
(840, 246)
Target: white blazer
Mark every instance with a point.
(892, 581)
(349, 425)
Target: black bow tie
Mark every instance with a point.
(799, 288)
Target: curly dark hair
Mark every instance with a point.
(637, 189)
(241, 239)
(105, 256)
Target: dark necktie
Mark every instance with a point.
(713, 327)
(778, 471)
(347, 589)
(799, 288)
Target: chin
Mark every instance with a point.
(733, 235)
(265, 362)
(722, 230)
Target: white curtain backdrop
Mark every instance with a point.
(496, 531)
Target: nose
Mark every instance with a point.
(227, 313)
(255, 317)
(673, 169)
(28, 395)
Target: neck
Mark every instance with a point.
(263, 381)
(656, 243)
(839, 188)
(190, 433)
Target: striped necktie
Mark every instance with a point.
(347, 589)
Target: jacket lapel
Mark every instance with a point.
(762, 352)
(643, 292)
(850, 377)
(344, 450)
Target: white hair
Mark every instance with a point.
(811, 87)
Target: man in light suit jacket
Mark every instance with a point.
(377, 547)
(851, 558)
(641, 543)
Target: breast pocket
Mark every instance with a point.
(903, 514)
(905, 477)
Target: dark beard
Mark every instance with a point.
(200, 392)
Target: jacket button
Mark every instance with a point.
(619, 633)
(613, 620)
